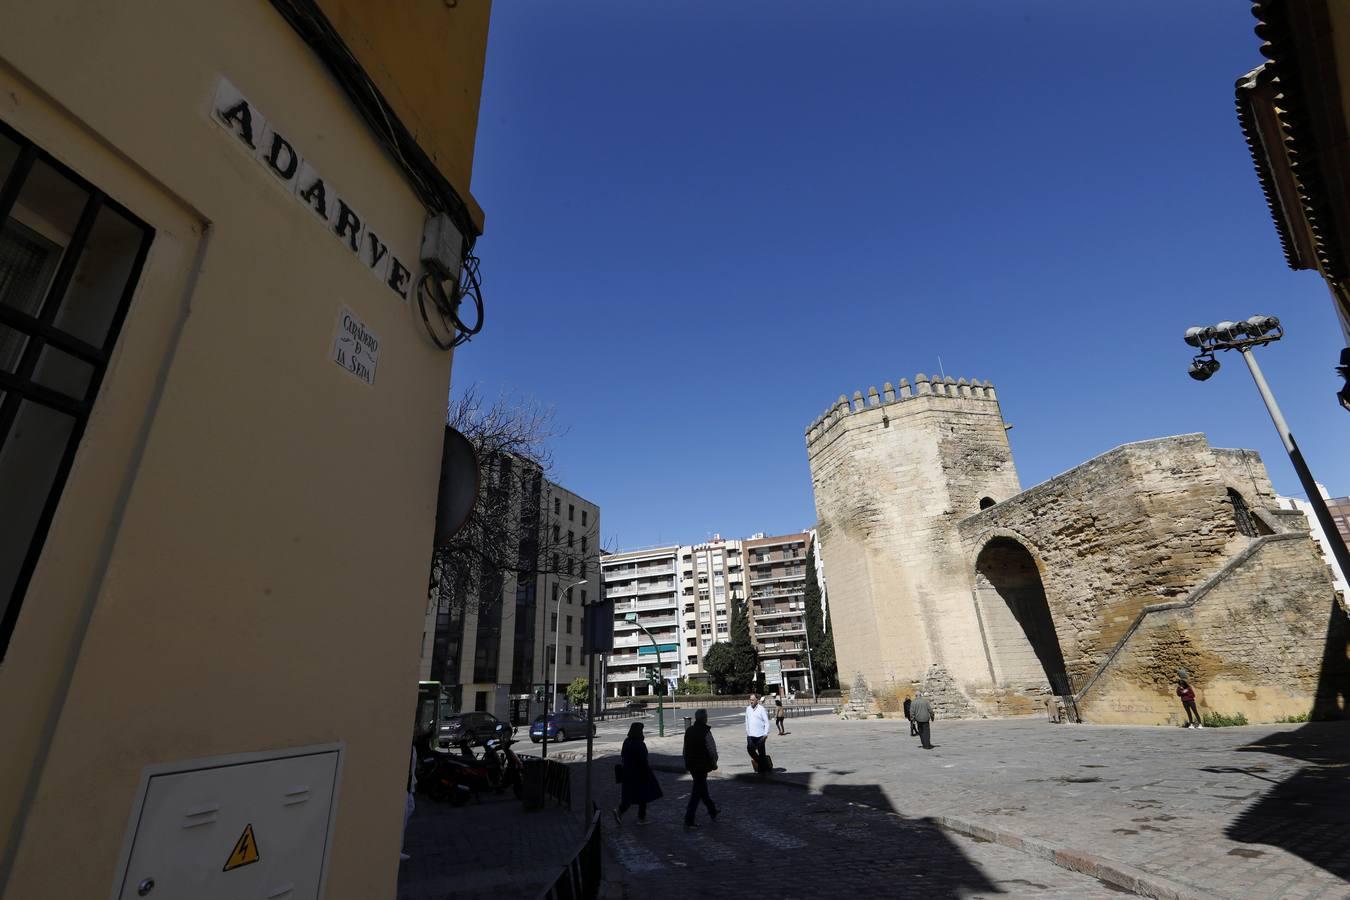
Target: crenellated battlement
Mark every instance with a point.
(957, 388)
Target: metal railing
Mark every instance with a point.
(580, 878)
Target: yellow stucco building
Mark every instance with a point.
(221, 419)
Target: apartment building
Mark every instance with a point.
(510, 644)
(712, 576)
(644, 584)
(777, 583)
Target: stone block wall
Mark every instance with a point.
(1143, 523)
(893, 475)
(1264, 638)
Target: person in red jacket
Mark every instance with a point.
(1187, 695)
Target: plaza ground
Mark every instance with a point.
(1008, 808)
(1013, 808)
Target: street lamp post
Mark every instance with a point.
(660, 705)
(1245, 337)
(557, 622)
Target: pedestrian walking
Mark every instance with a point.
(913, 732)
(779, 714)
(756, 734)
(700, 758)
(922, 711)
(1187, 695)
(640, 786)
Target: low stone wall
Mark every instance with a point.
(1264, 637)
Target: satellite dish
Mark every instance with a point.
(458, 489)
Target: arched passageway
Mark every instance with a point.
(1024, 649)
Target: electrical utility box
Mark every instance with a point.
(249, 826)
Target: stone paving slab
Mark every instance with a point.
(1249, 812)
(773, 838)
(492, 849)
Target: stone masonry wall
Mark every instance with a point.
(1144, 523)
(893, 475)
(1265, 640)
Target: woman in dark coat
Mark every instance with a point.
(640, 786)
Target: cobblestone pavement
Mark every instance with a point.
(1252, 812)
(493, 849)
(772, 838)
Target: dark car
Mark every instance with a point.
(472, 727)
(636, 704)
(561, 726)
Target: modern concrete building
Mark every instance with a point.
(712, 576)
(510, 642)
(645, 584)
(777, 583)
(221, 432)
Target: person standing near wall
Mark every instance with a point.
(1187, 695)
(756, 733)
(922, 711)
(913, 732)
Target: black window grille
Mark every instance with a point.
(1246, 525)
(70, 259)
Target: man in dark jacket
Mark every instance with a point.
(922, 711)
(700, 758)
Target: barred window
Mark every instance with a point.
(70, 258)
(1241, 514)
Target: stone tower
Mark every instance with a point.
(893, 474)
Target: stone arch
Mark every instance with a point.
(1024, 649)
(986, 502)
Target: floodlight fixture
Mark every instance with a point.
(1258, 326)
(1202, 367)
(1196, 334)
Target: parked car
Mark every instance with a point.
(473, 727)
(636, 704)
(561, 726)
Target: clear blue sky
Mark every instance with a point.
(705, 221)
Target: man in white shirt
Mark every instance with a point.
(756, 733)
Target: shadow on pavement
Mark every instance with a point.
(1307, 813)
(844, 839)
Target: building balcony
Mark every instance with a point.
(778, 612)
(635, 589)
(774, 632)
(773, 593)
(642, 605)
(782, 648)
(648, 622)
(761, 578)
(633, 664)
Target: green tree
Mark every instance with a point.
(719, 663)
(821, 638)
(744, 656)
(577, 690)
(824, 657)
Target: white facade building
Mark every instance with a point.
(645, 583)
(712, 575)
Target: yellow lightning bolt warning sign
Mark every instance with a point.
(245, 850)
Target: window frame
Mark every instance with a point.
(41, 332)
